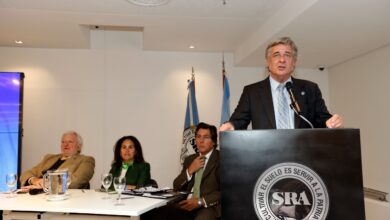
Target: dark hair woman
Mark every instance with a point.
(129, 162)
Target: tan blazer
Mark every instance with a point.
(80, 168)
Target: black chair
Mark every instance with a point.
(85, 186)
(152, 183)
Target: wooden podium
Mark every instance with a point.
(291, 174)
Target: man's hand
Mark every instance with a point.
(36, 182)
(196, 164)
(28, 188)
(228, 126)
(335, 122)
(189, 204)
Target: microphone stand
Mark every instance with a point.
(292, 106)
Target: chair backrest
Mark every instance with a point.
(85, 186)
(153, 183)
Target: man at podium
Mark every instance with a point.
(281, 101)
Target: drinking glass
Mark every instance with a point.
(119, 184)
(68, 181)
(106, 182)
(11, 180)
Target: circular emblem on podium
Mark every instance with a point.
(290, 191)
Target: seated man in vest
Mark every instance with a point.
(80, 167)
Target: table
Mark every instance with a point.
(82, 202)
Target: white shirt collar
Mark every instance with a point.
(208, 157)
(275, 84)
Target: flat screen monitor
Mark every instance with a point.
(11, 97)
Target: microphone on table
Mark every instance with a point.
(294, 104)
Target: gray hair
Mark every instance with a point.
(78, 137)
(284, 41)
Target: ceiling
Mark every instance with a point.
(327, 32)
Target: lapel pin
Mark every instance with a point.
(303, 93)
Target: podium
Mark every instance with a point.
(291, 174)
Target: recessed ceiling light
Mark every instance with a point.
(18, 42)
(149, 2)
(192, 47)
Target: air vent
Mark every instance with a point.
(149, 2)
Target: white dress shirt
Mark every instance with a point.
(274, 86)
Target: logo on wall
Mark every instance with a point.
(290, 191)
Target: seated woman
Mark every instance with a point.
(129, 162)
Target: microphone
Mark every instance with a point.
(294, 104)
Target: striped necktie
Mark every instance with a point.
(283, 121)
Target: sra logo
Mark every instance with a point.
(290, 191)
(290, 198)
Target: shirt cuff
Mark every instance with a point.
(188, 175)
(204, 202)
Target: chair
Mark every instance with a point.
(85, 186)
(152, 183)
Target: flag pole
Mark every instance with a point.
(193, 74)
(223, 69)
(190, 103)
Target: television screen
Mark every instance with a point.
(11, 96)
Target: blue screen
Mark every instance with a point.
(10, 124)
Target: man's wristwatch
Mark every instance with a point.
(200, 203)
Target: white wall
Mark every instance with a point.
(116, 89)
(359, 89)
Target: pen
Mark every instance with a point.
(129, 197)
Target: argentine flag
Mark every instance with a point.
(190, 123)
(225, 113)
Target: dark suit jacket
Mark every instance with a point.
(209, 186)
(256, 106)
(138, 174)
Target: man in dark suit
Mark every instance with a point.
(259, 102)
(200, 175)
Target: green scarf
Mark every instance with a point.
(127, 165)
